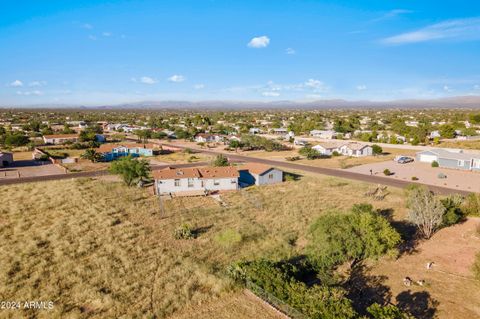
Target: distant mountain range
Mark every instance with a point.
(450, 102)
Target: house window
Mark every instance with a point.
(461, 163)
(190, 182)
(233, 181)
(270, 176)
(216, 182)
(203, 183)
(177, 183)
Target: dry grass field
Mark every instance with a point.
(469, 145)
(99, 249)
(182, 157)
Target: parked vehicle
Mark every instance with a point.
(404, 160)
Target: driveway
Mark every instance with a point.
(456, 179)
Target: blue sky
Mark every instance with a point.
(109, 52)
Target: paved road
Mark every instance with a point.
(11, 181)
(241, 158)
(328, 171)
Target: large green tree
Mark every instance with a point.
(131, 170)
(338, 238)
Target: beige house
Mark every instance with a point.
(60, 138)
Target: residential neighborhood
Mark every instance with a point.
(239, 159)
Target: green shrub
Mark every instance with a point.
(338, 238)
(434, 164)
(335, 153)
(220, 160)
(183, 232)
(414, 178)
(453, 210)
(441, 176)
(386, 312)
(377, 150)
(387, 172)
(281, 280)
(471, 205)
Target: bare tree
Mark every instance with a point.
(425, 210)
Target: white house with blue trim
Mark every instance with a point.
(450, 159)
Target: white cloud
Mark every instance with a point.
(392, 14)
(316, 85)
(270, 94)
(259, 42)
(459, 29)
(16, 83)
(361, 87)
(28, 93)
(199, 86)
(92, 37)
(476, 87)
(176, 78)
(106, 34)
(144, 80)
(37, 83)
(290, 51)
(87, 26)
(446, 88)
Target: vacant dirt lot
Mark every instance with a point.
(456, 179)
(28, 168)
(449, 284)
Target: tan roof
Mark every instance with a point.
(192, 172)
(255, 168)
(211, 172)
(61, 136)
(172, 173)
(331, 145)
(109, 147)
(355, 146)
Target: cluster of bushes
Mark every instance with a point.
(13, 139)
(311, 153)
(280, 279)
(254, 142)
(183, 232)
(430, 212)
(336, 239)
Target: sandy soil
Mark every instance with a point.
(450, 289)
(456, 179)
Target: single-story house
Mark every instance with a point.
(300, 142)
(254, 130)
(280, 131)
(328, 135)
(208, 138)
(259, 174)
(327, 148)
(348, 148)
(356, 149)
(111, 152)
(450, 159)
(6, 159)
(60, 138)
(195, 181)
